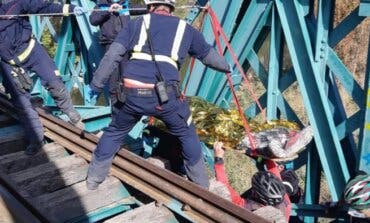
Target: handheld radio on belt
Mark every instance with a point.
(160, 86)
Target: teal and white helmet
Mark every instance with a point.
(357, 192)
(170, 3)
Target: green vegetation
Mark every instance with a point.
(48, 43)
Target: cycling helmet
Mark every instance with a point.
(357, 192)
(170, 3)
(267, 188)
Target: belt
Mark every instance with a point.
(22, 56)
(160, 58)
(150, 92)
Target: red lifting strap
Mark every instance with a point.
(217, 30)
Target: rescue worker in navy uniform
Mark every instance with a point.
(172, 40)
(20, 51)
(113, 16)
(110, 21)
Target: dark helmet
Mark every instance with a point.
(357, 192)
(267, 188)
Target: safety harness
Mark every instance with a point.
(173, 59)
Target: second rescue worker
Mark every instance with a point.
(170, 40)
(19, 49)
(112, 16)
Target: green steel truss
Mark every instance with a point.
(305, 31)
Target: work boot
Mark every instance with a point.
(79, 124)
(197, 173)
(33, 148)
(73, 116)
(75, 119)
(91, 185)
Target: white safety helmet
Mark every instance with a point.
(170, 3)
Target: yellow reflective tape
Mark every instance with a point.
(368, 105)
(27, 51)
(65, 10)
(368, 92)
(178, 39)
(21, 57)
(160, 58)
(143, 35)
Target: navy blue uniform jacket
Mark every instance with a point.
(16, 32)
(110, 23)
(162, 31)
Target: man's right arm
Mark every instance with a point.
(221, 175)
(41, 6)
(97, 18)
(107, 66)
(111, 59)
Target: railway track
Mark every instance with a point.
(50, 187)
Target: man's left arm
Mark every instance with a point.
(207, 54)
(215, 61)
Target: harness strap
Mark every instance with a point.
(139, 54)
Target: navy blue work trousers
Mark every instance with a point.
(28, 116)
(40, 62)
(177, 117)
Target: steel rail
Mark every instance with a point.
(158, 183)
(158, 195)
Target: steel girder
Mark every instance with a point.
(310, 37)
(307, 28)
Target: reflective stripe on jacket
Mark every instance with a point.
(172, 41)
(138, 54)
